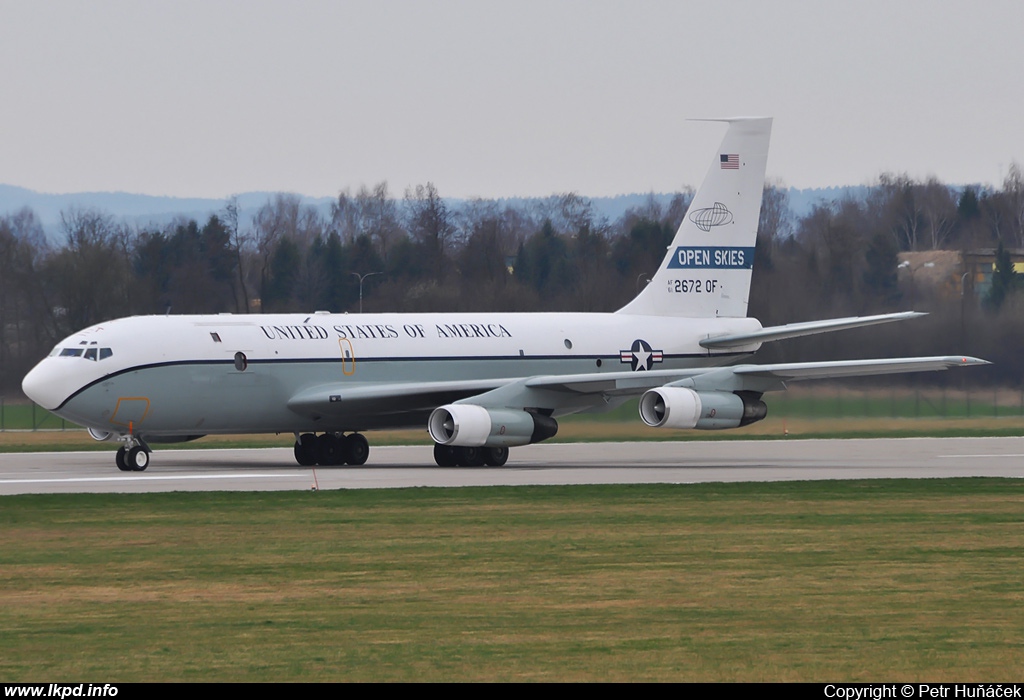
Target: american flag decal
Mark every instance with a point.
(730, 161)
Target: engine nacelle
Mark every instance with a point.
(468, 425)
(685, 409)
(99, 435)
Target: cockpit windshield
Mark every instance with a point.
(89, 353)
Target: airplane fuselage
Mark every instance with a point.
(184, 375)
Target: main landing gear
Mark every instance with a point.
(449, 456)
(331, 449)
(133, 456)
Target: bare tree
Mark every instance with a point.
(895, 204)
(1013, 190)
(428, 219)
(379, 217)
(346, 218)
(938, 211)
(774, 222)
(240, 242)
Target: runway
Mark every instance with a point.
(583, 463)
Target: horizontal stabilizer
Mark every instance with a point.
(796, 330)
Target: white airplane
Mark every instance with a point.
(479, 382)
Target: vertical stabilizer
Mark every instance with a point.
(706, 272)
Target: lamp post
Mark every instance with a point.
(361, 278)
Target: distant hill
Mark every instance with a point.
(138, 209)
(148, 210)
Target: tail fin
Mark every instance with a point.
(707, 270)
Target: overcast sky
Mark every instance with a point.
(497, 99)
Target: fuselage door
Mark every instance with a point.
(348, 357)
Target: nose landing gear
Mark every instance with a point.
(133, 456)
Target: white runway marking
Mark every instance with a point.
(136, 477)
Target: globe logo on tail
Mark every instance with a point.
(705, 218)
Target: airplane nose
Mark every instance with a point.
(44, 386)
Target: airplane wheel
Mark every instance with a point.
(356, 449)
(119, 458)
(305, 451)
(137, 459)
(444, 455)
(495, 456)
(328, 450)
(469, 456)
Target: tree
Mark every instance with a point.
(881, 277)
(429, 222)
(1013, 190)
(239, 244)
(27, 326)
(91, 276)
(278, 293)
(1004, 280)
(378, 216)
(938, 212)
(773, 223)
(894, 201)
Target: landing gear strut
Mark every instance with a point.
(331, 449)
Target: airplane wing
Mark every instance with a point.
(579, 392)
(760, 378)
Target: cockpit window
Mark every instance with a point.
(93, 354)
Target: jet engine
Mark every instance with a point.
(468, 425)
(677, 407)
(99, 435)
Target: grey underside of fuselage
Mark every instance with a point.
(212, 398)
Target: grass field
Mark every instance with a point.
(874, 580)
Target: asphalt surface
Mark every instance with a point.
(590, 463)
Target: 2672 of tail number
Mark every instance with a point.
(692, 286)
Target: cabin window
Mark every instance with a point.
(241, 361)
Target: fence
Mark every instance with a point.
(18, 414)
